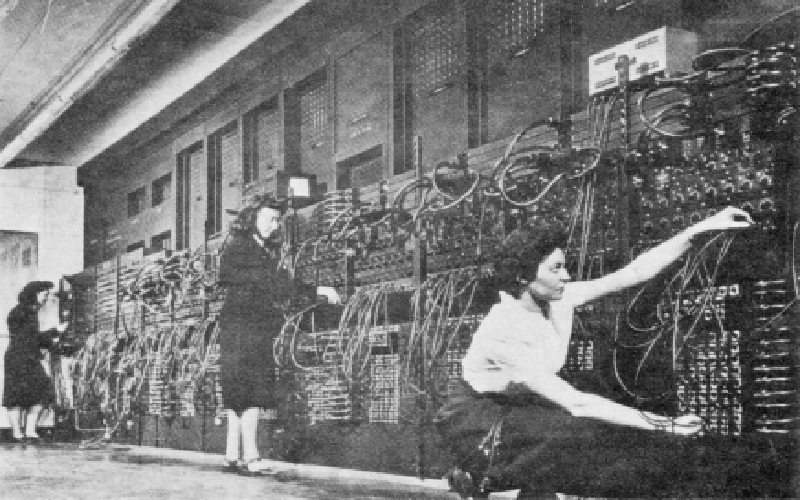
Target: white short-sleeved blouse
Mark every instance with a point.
(514, 343)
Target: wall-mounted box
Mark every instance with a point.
(665, 51)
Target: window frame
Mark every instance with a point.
(136, 201)
(163, 187)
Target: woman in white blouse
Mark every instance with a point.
(555, 437)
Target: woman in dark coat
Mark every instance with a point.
(258, 288)
(516, 422)
(27, 388)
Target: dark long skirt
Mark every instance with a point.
(544, 449)
(26, 383)
(247, 364)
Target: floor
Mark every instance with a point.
(70, 471)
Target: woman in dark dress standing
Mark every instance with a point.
(258, 287)
(27, 388)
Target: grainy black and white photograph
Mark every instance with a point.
(399, 249)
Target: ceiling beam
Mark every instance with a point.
(183, 76)
(95, 63)
(210, 20)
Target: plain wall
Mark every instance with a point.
(46, 201)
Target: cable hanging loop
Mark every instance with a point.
(454, 200)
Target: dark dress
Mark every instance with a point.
(26, 382)
(542, 448)
(249, 322)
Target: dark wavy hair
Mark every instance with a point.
(27, 297)
(519, 259)
(245, 222)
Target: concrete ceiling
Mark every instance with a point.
(45, 43)
(53, 110)
(39, 41)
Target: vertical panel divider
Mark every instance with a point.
(420, 276)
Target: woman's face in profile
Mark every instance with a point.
(268, 221)
(551, 277)
(41, 297)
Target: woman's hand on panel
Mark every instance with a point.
(685, 425)
(330, 294)
(726, 219)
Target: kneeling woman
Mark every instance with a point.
(547, 435)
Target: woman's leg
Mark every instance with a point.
(31, 420)
(15, 420)
(249, 442)
(249, 433)
(232, 449)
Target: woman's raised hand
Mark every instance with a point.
(725, 219)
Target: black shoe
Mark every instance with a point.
(464, 483)
(231, 466)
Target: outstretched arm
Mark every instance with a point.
(655, 260)
(581, 404)
(516, 360)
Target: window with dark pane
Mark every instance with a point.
(436, 55)
(363, 83)
(360, 170)
(314, 112)
(223, 162)
(134, 246)
(512, 25)
(307, 144)
(161, 241)
(27, 257)
(525, 65)
(261, 128)
(136, 202)
(18, 250)
(430, 75)
(183, 193)
(162, 187)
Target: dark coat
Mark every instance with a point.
(26, 382)
(249, 322)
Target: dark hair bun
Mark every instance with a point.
(28, 294)
(245, 222)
